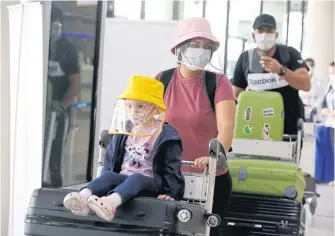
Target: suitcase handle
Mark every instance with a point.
(58, 203)
(244, 225)
(140, 214)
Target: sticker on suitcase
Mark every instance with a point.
(268, 112)
(247, 129)
(247, 114)
(266, 132)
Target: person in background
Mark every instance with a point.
(310, 98)
(328, 102)
(284, 66)
(198, 113)
(311, 64)
(64, 79)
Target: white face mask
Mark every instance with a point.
(310, 72)
(196, 58)
(265, 41)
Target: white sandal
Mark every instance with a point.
(101, 207)
(74, 202)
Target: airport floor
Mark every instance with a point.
(322, 223)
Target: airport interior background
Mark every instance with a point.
(115, 39)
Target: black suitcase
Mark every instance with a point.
(46, 216)
(256, 215)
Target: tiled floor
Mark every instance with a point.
(322, 223)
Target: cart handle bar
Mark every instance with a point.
(188, 163)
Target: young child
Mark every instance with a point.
(143, 158)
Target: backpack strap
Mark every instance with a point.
(247, 65)
(165, 77)
(210, 83)
(284, 54)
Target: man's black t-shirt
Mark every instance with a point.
(292, 104)
(62, 64)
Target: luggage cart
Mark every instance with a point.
(288, 150)
(192, 216)
(199, 190)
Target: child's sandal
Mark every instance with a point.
(101, 207)
(74, 202)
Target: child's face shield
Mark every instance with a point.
(200, 54)
(137, 118)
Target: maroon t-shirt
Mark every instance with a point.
(189, 111)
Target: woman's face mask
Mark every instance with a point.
(265, 41)
(196, 58)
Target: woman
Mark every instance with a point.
(189, 107)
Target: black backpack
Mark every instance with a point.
(210, 83)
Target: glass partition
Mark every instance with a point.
(71, 80)
(236, 46)
(279, 11)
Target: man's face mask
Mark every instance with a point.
(55, 30)
(265, 41)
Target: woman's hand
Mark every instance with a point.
(201, 162)
(165, 197)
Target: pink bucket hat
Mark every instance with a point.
(194, 28)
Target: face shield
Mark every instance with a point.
(200, 55)
(55, 30)
(136, 118)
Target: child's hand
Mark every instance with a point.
(165, 197)
(201, 162)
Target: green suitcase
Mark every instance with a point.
(260, 115)
(266, 177)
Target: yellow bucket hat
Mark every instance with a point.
(146, 89)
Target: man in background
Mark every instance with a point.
(276, 61)
(64, 80)
(310, 98)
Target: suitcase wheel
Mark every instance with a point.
(184, 215)
(213, 220)
(290, 192)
